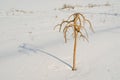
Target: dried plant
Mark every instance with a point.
(77, 22)
(66, 6)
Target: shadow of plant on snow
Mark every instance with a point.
(27, 48)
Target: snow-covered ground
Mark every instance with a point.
(31, 50)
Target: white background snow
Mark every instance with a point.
(31, 50)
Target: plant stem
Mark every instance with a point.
(74, 53)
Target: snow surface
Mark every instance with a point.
(31, 50)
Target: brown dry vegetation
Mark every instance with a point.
(68, 6)
(76, 22)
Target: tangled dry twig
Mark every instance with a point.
(77, 24)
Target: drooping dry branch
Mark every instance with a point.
(63, 22)
(65, 30)
(90, 25)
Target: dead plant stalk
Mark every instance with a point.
(77, 22)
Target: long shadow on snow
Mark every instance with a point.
(31, 48)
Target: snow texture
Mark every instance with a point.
(31, 50)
